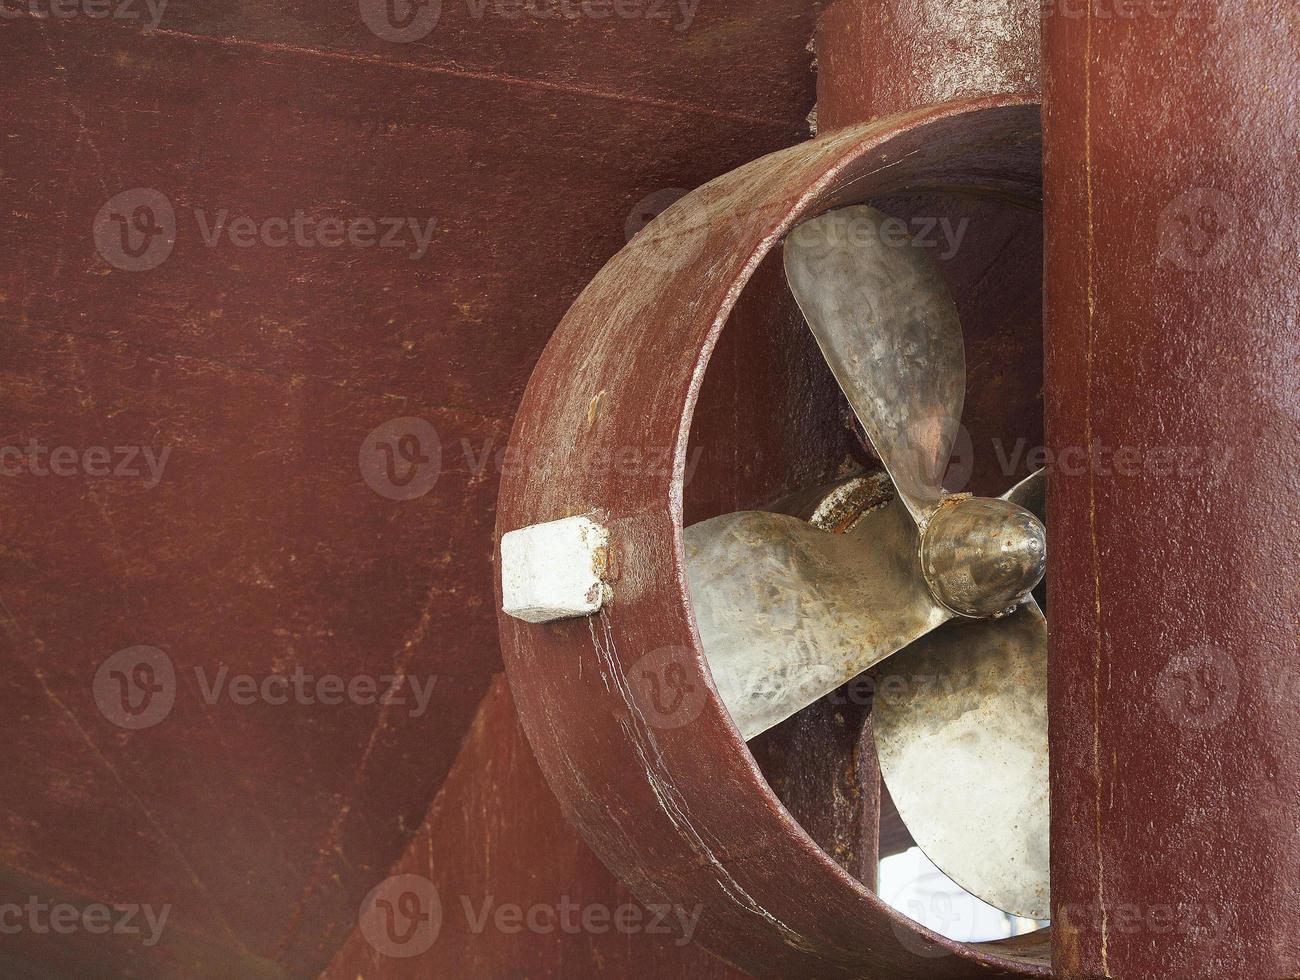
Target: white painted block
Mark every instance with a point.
(554, 570)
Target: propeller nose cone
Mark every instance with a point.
(981, 556)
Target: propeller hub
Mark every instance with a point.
(981, 556)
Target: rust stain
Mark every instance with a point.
(1068, 948)
(1092, 493)
(593, 408)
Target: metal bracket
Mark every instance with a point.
(554, 570)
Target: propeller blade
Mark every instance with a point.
(888, 328)
(1031, 494)
(961, 732)
(787, 613)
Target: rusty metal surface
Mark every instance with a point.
(840, 507)
(264, 547)
(504, 888)
(1173, 411)
(663, 788)
(876, 57)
